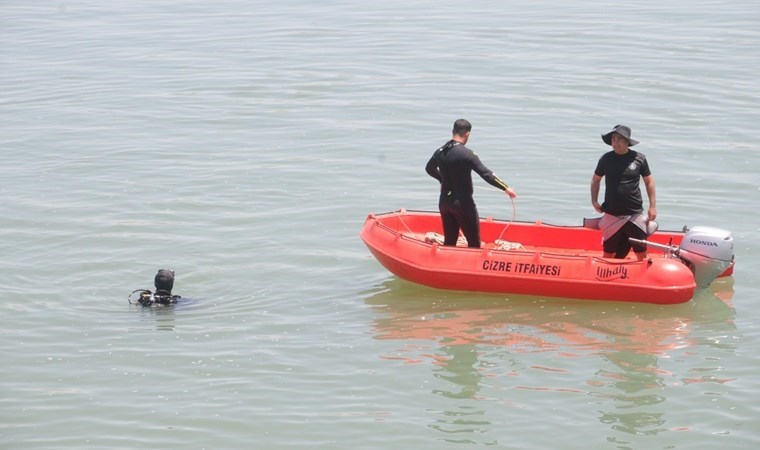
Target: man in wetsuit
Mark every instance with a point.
(623, 207)
(452, 166)
(164, 282)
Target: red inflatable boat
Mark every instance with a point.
(547, 260)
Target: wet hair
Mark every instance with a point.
(164, 280)
(461, 127)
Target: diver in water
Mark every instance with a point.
(164, 282)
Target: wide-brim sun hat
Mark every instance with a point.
(621, 130)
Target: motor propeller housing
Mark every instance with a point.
(708, 251)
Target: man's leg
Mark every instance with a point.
(470, 222)
(450, 226)
(637, 233)
(612, 246)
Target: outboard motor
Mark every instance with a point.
(707, 251)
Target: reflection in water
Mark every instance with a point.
(161, 317)
(458, 366)
(165, 319)
(637, 381)
(460, 328)
(637, 376)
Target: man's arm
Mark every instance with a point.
(432, 168)
(652, 194)
(595, 184)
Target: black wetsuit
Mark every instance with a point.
(452, 165)
(622, 196)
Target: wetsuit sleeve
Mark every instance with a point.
(432, 167)
(486, 174)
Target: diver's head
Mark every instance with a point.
(164, 280)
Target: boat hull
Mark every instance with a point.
(554, 261)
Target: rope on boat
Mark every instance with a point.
(514, 214)
(436, 238)
(514, 211)
(500, 244)
(398, 216)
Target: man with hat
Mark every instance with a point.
(623, 208)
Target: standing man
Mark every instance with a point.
(623, 207)
(452, 166)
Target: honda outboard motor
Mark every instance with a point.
(708, 252)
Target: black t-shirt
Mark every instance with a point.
(622, 195)
(452, 165)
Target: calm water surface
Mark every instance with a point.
(243, 144)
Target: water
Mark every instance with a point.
(243, 143)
